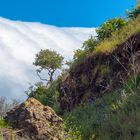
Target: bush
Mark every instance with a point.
(119, 36)
(86, 119)
(90, 44)
(88, 47)
(36, 90)
(3, 123)
(94, 43)
(79, 54)
(46, 95)
(105, 30)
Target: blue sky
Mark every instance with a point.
(68, 13)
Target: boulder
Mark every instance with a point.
(35, 121)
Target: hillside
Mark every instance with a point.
(100, 73)
(97, 96)
(100, 92)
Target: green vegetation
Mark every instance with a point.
(88, 47)
(112, 25)
(109, 35)
(114, 116)
(3, 124)
(50, 61)
(46, 95)
(119, 36)
(103, 32)
(90, 44)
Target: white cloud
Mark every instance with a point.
(20, 41)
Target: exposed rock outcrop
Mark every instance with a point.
(100, 73)
(36, 121)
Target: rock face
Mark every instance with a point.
(36, 121)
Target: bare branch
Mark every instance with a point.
(43, 79)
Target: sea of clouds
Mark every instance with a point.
(20, 41)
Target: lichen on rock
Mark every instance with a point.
(36, 121)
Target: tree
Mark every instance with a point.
(105, 30)
(50, 61)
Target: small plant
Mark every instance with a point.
(46, 95)
(73, 134)
(3, 124)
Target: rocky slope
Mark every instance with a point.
(100, 73)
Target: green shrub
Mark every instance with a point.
(96, 44)
(46, 95)
(79, 54)
(107, 28)
(88, 47)
(119, 36)
(124, 124)
(36, 90)
(86, 119)
(3, 123)
(115, 116)
(90, 44)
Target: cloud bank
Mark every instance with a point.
(20, 41)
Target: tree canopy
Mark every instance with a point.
(48, 60)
